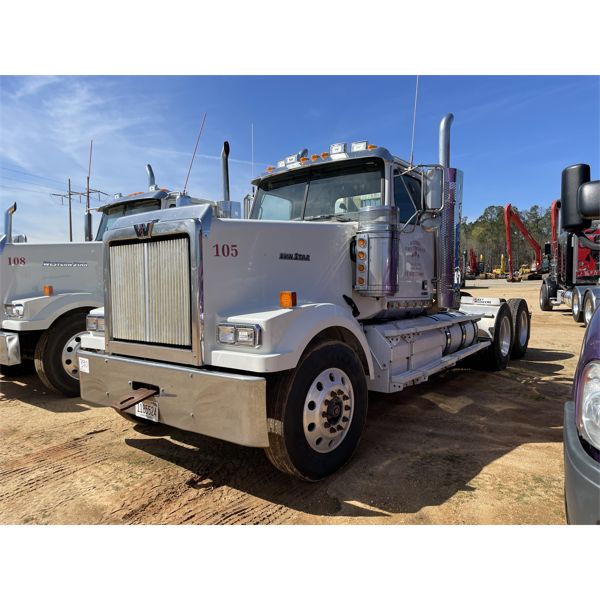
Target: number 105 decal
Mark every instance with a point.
(226, 250)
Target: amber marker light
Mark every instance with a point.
(361, 255)
(325, 155)
(314, 157)
(270, 169)
(304, 159)
(362, 242)
(48, 290)
(371, 147)
(361, 281)
(361, 268)
(287, 299)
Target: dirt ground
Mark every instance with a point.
(465, 447)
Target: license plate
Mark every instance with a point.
(148, 409)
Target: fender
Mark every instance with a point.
(40, 312)
(285, 335)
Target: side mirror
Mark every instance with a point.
(433, 189)
(229, 209)
(88, 227)
(588, 200)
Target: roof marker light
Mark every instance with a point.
(281, 164)
(358, 146)
(325, 155)
(270, 169)
(371, 147)
(337, 148)
(314, 157)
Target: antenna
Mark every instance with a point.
(194, 154)
(252, 136)
(412, 141)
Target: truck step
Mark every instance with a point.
(402, 380)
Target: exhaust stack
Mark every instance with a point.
(8, 222)
(444, 143)
(448, 288)
(152, 187)
(225, 166)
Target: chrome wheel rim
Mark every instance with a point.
(69, 355)
(328, 410)
(504, 336)
(523, 328)
(575, 305)
(588, 310)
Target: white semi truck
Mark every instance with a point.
(48, 289)
(270, 332)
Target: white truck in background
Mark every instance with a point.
(47, 289)
(270, 332)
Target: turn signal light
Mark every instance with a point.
(48, 290)
(287, 299)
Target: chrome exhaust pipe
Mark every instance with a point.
(8, 222)
(152, 187)
(225, 167)
(444, 144)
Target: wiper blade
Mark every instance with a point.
(323, 217)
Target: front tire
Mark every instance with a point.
(522, 326)
(545, 297)
(317, 412)
(56, 355)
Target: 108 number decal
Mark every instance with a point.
(226, 250)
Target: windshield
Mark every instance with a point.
(111, 214)
(332, 191)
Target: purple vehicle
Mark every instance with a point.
(581, 434)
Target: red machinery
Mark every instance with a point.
(510, 216)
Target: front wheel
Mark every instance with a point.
(56, 355)
(317, 412)
(545, 304)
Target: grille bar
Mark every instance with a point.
(150, 292)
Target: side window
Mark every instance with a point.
(407, 196)
(275, 208)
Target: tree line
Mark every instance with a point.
(486, 235)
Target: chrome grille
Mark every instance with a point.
(150, 292)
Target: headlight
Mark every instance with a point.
(588, 406)
(226, 334)
(95, 324)
(14, 311)
(242, 335)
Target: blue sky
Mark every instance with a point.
(511, 135)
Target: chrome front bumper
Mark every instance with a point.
(226, 406)
(582, 476)
(10, 349)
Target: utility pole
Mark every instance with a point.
(70, 214)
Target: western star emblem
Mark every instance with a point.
(293, 256)
(144, 230)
